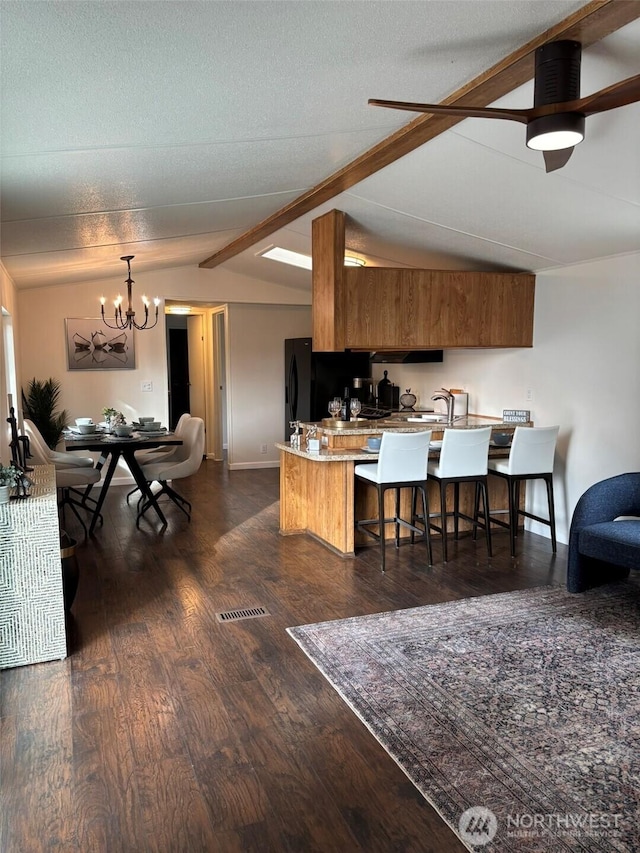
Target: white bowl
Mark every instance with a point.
(123, 431)
(86, 429)
(151, 426)
(83, 421)
(146, 420)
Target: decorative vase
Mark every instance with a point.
(408, 400)
(5, 494)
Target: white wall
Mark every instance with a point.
(583, 370)
(8, 357)
(256, 371)
(42, 353)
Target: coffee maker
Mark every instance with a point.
(362, 388)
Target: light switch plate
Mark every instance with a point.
(146, 385)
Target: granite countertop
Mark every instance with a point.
(338, 454)
(402, 425)
(355, 454)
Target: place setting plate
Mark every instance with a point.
(370, 449)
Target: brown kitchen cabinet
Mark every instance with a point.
(377, 308)
(422, 309)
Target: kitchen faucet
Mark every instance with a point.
(450, 401)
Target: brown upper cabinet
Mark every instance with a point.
(378, 308)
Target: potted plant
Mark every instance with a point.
(9, 475)
(39, 404)
(113, 418)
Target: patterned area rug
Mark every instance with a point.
(516, 715)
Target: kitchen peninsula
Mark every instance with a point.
(318, 494)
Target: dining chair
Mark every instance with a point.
(52, 457)
(69, 478)
(164, 454)
(463, 459)
(530, 458)
(402, 464)
(68, 483)
(185, 462)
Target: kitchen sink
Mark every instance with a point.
(441, 419)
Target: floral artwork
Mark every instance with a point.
(93, 346)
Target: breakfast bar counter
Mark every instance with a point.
(318, 493)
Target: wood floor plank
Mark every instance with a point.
(166, 730)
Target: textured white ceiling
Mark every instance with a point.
(166, 129)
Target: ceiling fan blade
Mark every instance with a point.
(557, 159)
(462, 112)
(619, 95)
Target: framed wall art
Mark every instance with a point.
(93, 346)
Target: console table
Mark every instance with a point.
(32, 622)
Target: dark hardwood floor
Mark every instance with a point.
(167, 731)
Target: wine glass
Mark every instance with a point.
(355, 407)
(334, 407)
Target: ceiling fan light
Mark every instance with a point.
(554, 132)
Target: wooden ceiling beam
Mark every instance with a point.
(588, 25)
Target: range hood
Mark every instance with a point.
(406, 356)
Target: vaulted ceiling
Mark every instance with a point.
(167, 130)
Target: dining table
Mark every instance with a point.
(111, 449)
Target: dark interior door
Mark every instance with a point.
(178, 375)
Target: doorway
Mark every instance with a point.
(178, 364)
(196, 367)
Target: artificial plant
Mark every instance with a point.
(39, 404)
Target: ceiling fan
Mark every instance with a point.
(555, 124)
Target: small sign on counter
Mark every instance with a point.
(516, 416)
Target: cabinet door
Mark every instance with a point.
(374, 311)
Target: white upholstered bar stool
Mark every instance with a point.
(463, 459)
(402, 463)
(530, 458)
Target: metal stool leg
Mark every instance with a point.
(381, 525)
(548, 478)
(443, 518)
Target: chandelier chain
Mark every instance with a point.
(122, 322)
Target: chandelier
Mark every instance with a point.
(127, 320)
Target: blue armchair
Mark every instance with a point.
(601, 549)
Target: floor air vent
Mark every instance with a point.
(245, 613)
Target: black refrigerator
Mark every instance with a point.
(314, 378)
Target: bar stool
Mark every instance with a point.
(402, 463)
(530, 458)
(463, 459)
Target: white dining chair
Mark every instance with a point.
(402, 464)
(530, 458)
(185, 462)
(70, 479)
(161, 454)
(39, 447)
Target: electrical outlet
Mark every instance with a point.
(529, 395)
(146, 385)
(263, 448)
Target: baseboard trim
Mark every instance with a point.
(239, 466)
